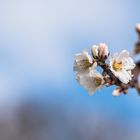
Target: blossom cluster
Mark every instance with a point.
(117, 69)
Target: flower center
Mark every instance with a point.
(117, 66)
(98, 81)
(85, 64)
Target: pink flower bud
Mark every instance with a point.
(103, 50)
(94, 51)
(116, 92)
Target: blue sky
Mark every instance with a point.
(38, 40)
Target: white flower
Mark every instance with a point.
(82, 61)
(116, 92)
(94, 51)
(90, 79)
(103, 50)
(121, 65)
(100, 51)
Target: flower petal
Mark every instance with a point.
(124, 76)
(123, 55)
(128, 64)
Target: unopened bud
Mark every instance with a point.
(116, 92)
(94, 51)
(103, 50)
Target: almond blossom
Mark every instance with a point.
(90, 79)
(82, 61)
(121, 65)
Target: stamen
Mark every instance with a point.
(117, 66)
(85, 64)
(98, 81)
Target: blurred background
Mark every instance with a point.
(39, 96)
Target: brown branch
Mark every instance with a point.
(113, 80)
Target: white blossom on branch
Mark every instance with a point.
(118, 69)
(90, 79)
(82, 61)
(121, 65)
